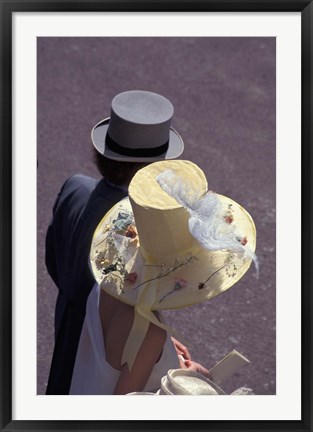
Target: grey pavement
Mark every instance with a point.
(223, 92)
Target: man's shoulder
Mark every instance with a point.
(80, 190)
(78, 184)
(80, 181)
(76, 190)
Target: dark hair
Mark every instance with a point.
(119, 173)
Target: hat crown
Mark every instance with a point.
(162, 223)
(142, 107)
(140, 120)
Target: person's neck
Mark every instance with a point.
(123, 187)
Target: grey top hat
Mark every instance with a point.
(139, 129)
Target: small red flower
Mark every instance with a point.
(131, 277)
(244, 241)
(228, 219)
(131, 232)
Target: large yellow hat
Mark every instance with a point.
(171, 243)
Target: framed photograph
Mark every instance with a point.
(239, 76)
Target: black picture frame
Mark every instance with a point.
(7, 9)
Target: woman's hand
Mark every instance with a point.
(185, 359)
(196, 367)
(181, 350)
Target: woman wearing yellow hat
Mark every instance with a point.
(171, 244)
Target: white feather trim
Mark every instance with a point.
(206, 219)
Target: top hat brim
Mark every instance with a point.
(99, 133)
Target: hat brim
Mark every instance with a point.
(219, 269)
(98, 136)
(191, 383)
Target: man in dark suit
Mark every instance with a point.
(137, 132)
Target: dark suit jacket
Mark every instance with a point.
(79, 207)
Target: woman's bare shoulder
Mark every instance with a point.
(117, 319)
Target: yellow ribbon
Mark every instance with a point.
(143, 317)
(143, 312)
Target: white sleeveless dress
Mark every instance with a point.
(92, 374)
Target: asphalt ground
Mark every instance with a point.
(223, 92)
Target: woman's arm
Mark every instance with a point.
(148, 354)
(117, 320)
